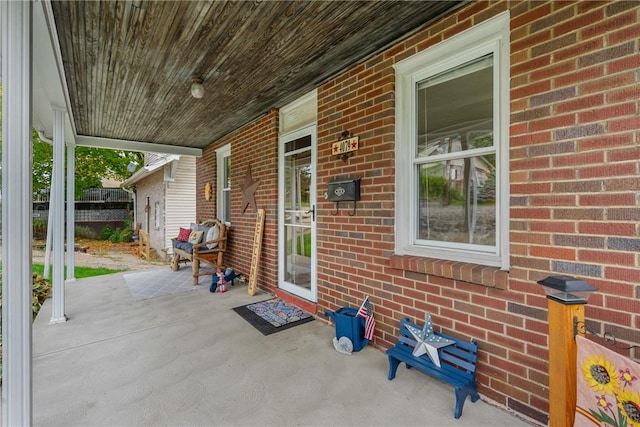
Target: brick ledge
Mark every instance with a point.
(491, 277)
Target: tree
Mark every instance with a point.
(42, 164)
(92, 164)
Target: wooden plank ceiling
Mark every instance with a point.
(128, 64)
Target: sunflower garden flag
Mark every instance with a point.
(608, 387)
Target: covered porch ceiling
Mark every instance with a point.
(125, 67)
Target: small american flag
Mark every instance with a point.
(365, 311)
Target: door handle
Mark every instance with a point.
(312, 211)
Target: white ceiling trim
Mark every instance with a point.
(49, 84)
(127, 145)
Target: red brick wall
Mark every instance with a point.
(255, 146)
(574, 137)
(574, 160)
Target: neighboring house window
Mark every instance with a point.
(156, 215)
(452, 144)
(223, 158)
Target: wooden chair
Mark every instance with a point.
(202, 252)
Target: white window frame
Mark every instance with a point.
(222, 154)
(156, 215)
(491, 36)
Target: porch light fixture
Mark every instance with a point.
(197, 90)
(567, 290)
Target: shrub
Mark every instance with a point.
(83, 232)
(39, 228)
(106, 233)
(115, 236)
(126, 235)
(118, 235)
(121, 235)
(41, 291)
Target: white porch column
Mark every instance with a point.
(17, 152)
(57, 224)
(71, 212)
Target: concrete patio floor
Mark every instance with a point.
(188, 359)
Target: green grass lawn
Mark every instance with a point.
(81, 272)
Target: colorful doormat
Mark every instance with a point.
(273, 315)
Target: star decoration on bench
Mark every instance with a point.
(248, 191)
(427, 341)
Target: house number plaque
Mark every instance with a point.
(345, 146)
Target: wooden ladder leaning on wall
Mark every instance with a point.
(144, 248)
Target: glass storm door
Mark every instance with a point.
(297, 213)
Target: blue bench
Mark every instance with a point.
(458, 363)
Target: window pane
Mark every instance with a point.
(226, 196)
(297, 181)
(297, 144)
(298, 260)
(227, 172)
(457, 201)
(455, 109)
(223, 183)
(156, 215)
(297, 227)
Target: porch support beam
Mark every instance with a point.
(16, 20)
(57, 308)
(124, 144)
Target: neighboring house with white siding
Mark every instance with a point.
(165, 194)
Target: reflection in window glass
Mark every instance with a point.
(457, 201)
(455, 108)
(226, 190)
(455, 155)
(297, 218)
(223, 183)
